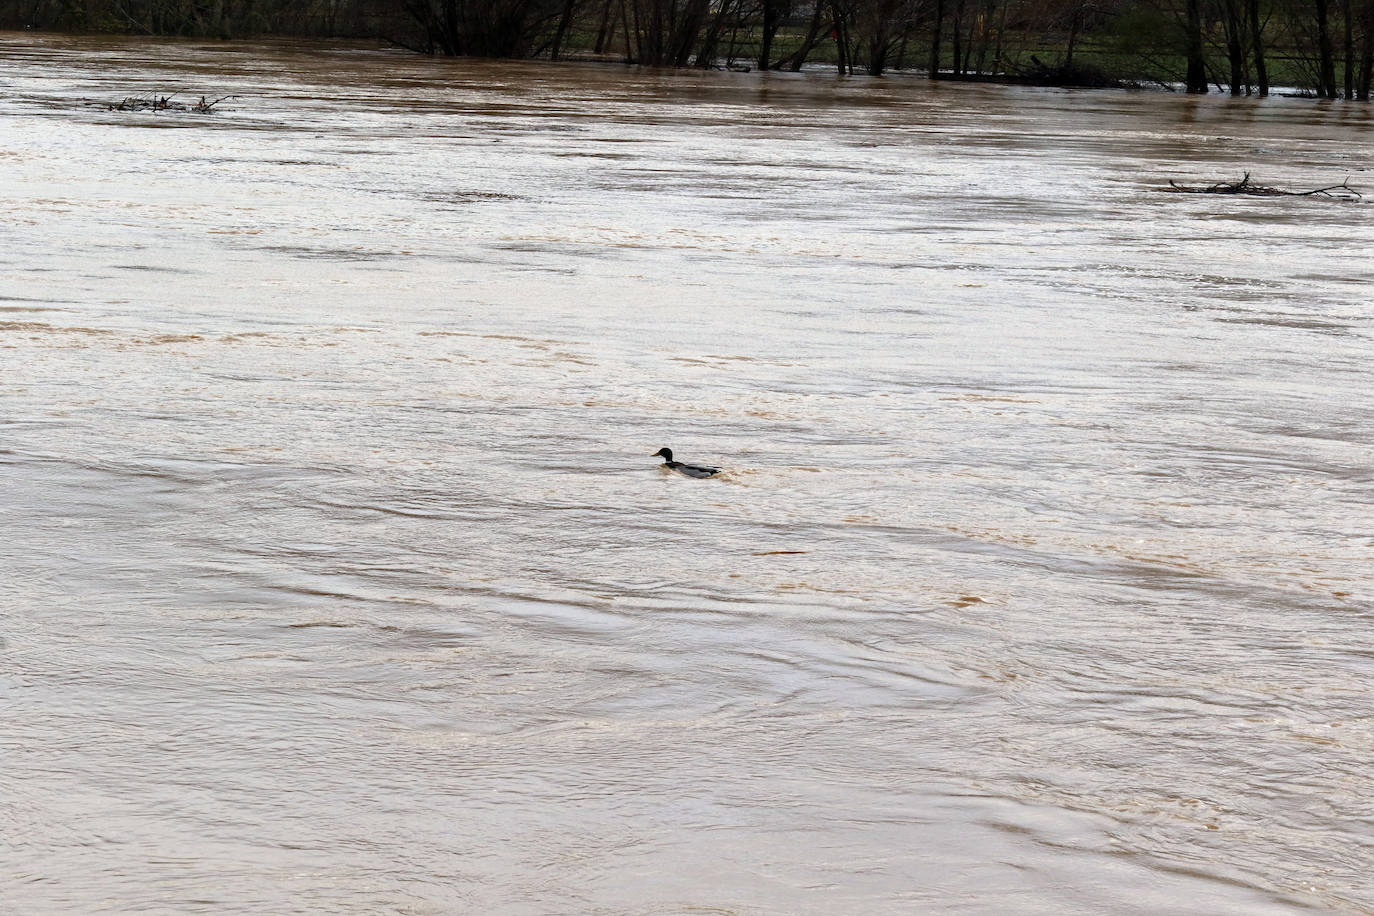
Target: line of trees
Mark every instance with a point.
(1325, 47)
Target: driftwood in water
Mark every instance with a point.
(165, 103)
(1343, 190)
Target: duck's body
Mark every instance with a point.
(691, 470)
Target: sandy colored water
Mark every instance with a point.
(337, 577)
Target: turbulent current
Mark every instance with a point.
(336, 575)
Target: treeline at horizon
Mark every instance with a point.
(1323, 48)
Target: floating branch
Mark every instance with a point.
(148, 103)
(205, 106)
(1342, 191)
(165, 103)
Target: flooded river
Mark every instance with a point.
(337, 577)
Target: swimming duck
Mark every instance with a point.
(691, 470)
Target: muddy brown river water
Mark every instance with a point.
(337, 577)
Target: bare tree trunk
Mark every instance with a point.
(648, 32)
(1235, 48)
(606, 29)
(730, 55)
(876, 17)
(1367, 57)
(1325, 59)
(968, 39)
(632, 49)
(771, 16)
(1257, 40)
(1074, 21)
(813, 34)
(841, 39)
(450, 40)
(997, 47)
(1196, 79)
(934, 65)
(1349, 10)
(685, 28)
(563, 22)
(956, 29)
(981, 65)
(710, 42)
(877, 54)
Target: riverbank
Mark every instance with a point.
(1133, 45)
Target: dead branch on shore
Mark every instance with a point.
(206, 105)
(1342, 191)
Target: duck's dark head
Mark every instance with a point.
(665, 453)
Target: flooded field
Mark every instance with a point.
(337, 577)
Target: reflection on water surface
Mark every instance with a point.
(340, 579)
